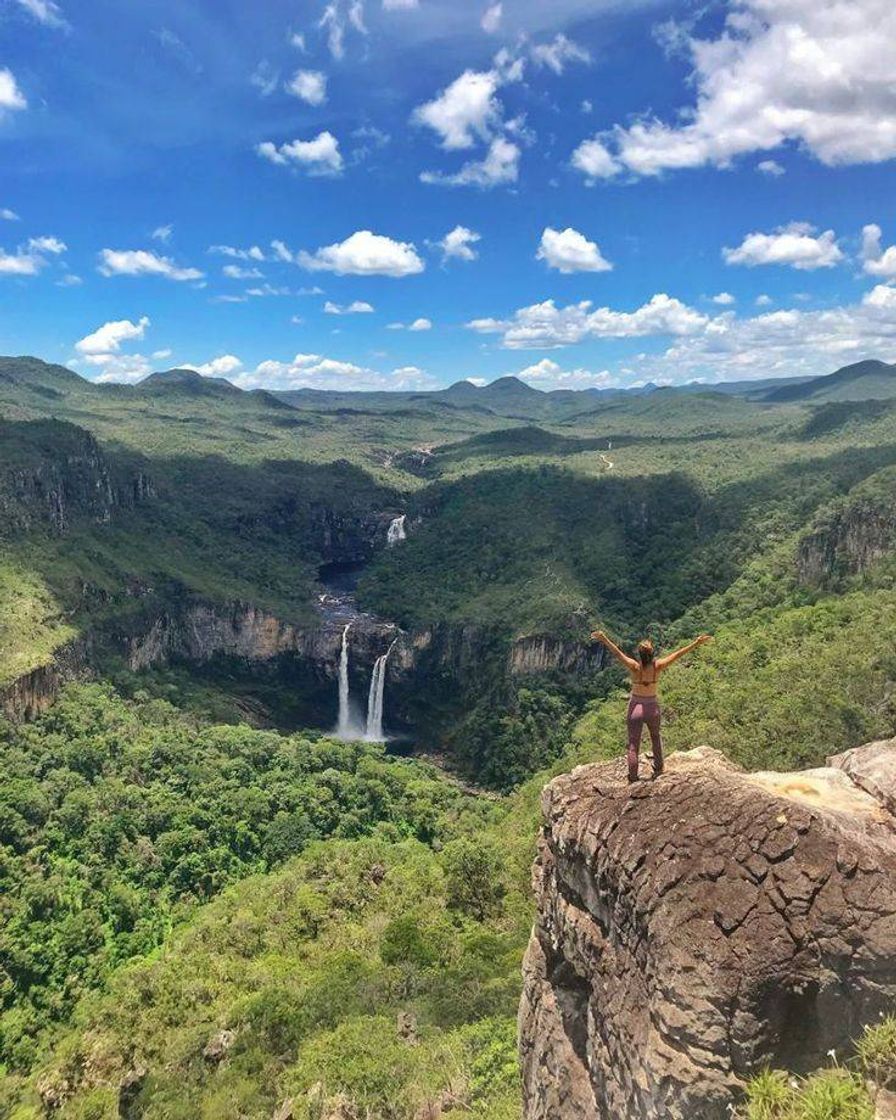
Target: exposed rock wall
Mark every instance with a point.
(854, 536)
(694, 929)
(61, 475)
(34, 692)
(542, 653)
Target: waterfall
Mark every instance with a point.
(375, 699)
(397, 531)
(344, 729)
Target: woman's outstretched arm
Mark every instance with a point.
(628, 662)
(665, 662)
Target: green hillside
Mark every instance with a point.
(355, 920)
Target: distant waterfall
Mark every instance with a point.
(344, 729)
(397, 531)
(375, 699)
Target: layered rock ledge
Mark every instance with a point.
(693, 930)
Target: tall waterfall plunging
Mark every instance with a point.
(397, 531)
(375, 699)
(344, 728)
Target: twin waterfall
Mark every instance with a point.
(349, 727)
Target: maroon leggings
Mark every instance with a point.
(644, 710)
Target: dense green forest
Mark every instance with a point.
(200, 918)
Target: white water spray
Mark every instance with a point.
(375, 699)
(344, 728)
(397, 531)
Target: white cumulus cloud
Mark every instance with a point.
(223, 366)
(500, 166)
(320, 156)
(491, 18)
(558, 54)
(365, 254)
(464, 112)
(357, 307)
(877, 260)
(816, 73)
(309, 86)
(8, 215)
(797, 245)
(50, 245)
(11, 97)
(458, 244)
(108, 338)
(45, 12)
(570, 251)
(141, 262)
(545, 326)
(724, 299)
(594, 159)
(548, 374)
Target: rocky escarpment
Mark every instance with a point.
(202, 631)
(53, 473)
(693, 930)
(853, 536)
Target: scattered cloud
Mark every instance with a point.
(570, 251)
(365, 254)
(357, 307)
(69, 280)
(799, 72)
(784, 343)
(770, 167)
(265, 78)
(8, 215)
(458, 244)
(11, 97)
(45, 11)
(724, 299)
(309, 86)
(30, 258)
(108, 338)
(877, 261)
(254, 253)
(491, 19)
(500, 166)
(162, 233)
(548, 374)
(464, 112)
(161, 355)
(594, 159)
(50, 245)
(320, 156)
(339, 17)
(796, 245)
(545, 326)
(764, 300)
(420, 325)
(19, 264)
(217, 367)
(238, 272)
(141, 262)
(400, 5)
(558, 54)
(319, 372)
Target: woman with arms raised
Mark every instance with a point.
(644, 706)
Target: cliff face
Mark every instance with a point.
(204, 630)
(853, 537)
(54, 473)
(692, 930)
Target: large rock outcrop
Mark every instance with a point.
(692, 930)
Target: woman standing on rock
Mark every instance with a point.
(644, 705)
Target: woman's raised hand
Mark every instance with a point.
(703, 639)
(598, 636)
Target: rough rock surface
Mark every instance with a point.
(694, 929)
(873, 769)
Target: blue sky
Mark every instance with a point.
(402, 193)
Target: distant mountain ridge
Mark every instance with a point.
(867, 380)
